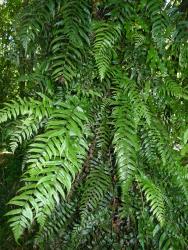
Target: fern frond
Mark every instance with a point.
(76, 16)
(98, 183)
(158, 147)
(171, 88)
(103, 130)
(154, 196)
(121, 11)
(70, 40)
(183, 57)
(159, 21)
(25, 131)
(23, 107)
(54, 159)
(65, 57)
(105, 149)
(180, 33)
(161, 141)
(88, 226)
(170, 237)
(40, 77)
(139, 106)
(32, 22)
(125, 142)
(62, 217)
(106, 36)
(148, 151)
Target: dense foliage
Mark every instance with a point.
(97, 128)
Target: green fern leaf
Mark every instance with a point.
(106, 36)
(154, 196)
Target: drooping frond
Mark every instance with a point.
(77, 19)
(65, 57)
(97, 185)
(154, 196)
(121, 11)
(54, 159)
(32, 22)
(106, 36)
(139, 106)
(25, 131)
(24, 107)
(88, 226)
(62, 217)
(159, 149)
(103, 131)
(159, 20)
(70, 40)
(170, 88)
(125, 141)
